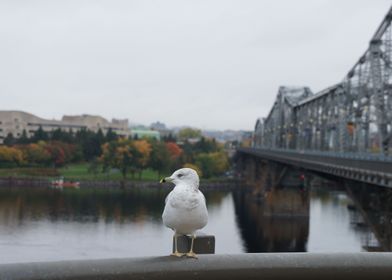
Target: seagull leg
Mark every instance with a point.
(176, 253)
(192, 254)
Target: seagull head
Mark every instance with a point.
(187, 176)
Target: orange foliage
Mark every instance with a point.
(174, 150)
(11, 156)
(144, 148)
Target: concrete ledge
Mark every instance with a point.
(242, 266)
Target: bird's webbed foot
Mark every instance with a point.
(177, 254)
(191, 255)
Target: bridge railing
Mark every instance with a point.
(347, 155)
(241, 266)
(371, 170)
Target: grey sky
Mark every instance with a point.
(210, 64)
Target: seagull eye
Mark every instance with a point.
(180, 175)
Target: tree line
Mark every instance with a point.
(105, 152)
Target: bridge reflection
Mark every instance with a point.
(273, 224)
(372, 209)
(276, 218)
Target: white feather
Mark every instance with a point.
(185, 206)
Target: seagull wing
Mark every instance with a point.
(184, 200)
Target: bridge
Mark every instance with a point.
(344, 130)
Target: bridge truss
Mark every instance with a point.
(353, 116)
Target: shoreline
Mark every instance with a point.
(131, 184)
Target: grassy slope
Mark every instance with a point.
(74, 172)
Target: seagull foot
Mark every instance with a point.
(177, 254)
(191, 255)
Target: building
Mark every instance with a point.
(162, 129)
(145, 133)
(15, 122)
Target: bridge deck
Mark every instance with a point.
(371, 170)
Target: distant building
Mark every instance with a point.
(158, 126)
(162, 129)
(144, 133)
(15, 122)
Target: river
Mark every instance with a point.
(42, 224)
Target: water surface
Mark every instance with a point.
(48, 224)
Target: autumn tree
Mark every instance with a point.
(159, 157)
(10, 157)
(57, 154)
(36, 154)
(175, 153)
(144, 151)
(121, 154)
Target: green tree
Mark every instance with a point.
(40, 135)
(93, 167)
(23, 138)
(110, 135)
(212, 164)
(187, 133)
(9, 140)
(160, 159)
(90, 143)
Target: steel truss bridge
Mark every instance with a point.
(349, 123)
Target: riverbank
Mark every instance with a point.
(76, 172)
(223, 184)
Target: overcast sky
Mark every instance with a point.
(210, 64)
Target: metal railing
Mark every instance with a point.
(378, 172)
(241, 266)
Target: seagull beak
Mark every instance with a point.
(167, 179)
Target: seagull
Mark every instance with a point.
(185, 207)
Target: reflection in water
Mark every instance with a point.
(338, 221)
(47, 224)
(372, 213)
(278, 223)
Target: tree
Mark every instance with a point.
(110, 135)
(144, 150)
(40, 135)
(9, 140)
(212, 164)
(10, 157)
(187, 133)
(63, 136)
(94, 167)
(57, 154)
(36, 153)
(206, 164)
(194, 167)
(23, 139)
(90, 142)
(169, 138)
(175, 153)
(121, 154)
(160, 157)
(206, 146)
